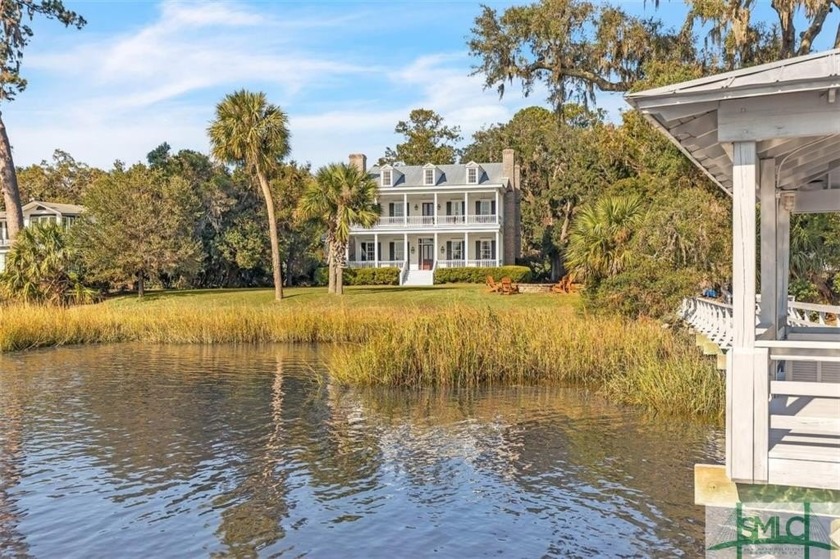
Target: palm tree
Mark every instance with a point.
(599, 245)
(341, 196)
(42, 267)
(251, 132)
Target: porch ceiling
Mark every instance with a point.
(790, 108)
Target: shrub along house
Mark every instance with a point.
(440, 216)
(33, 213)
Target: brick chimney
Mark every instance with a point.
(508, 158)
(359, 161)
(513, 217)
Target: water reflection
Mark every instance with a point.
(12, 541)
(251, 451)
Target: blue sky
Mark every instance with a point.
(141, 73)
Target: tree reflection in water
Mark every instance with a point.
(12, 541)
(254, 510)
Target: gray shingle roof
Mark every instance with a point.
(64, 209)
(451, 175)
(61, 208)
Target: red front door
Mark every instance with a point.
(427, 254)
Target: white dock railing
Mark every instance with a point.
(808, 314)
(713, 318)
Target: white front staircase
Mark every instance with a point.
(419, 277)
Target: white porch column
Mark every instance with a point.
(376, 250)
(466, 244)
(496, 194)
(435, 208)
(782, 259)
(768, 316)
(498, 246)
(347, 251)
(435, 255)
(405, 249)
(466, 208)
(747, 368)
(744, 178)
(405, 213)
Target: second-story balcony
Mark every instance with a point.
(434, 222)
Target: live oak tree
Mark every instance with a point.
(572, 47)
(427, 140)
(15, 34)
(562, 166)
(139, 224)
(253, 134)
(739, 38)
(61, 180)
(576, 48)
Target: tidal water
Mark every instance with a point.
(195, 451)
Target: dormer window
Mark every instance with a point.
(429, 176)
(472, 175)
(387, 177)
(473, 172)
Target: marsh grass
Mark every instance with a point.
(461, 344)
(630, 362)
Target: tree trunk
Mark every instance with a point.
(341, 251)
(141, 285)
(272, 233)
(331, 261)
(9, 185)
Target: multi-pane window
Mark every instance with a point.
(42, 219)
(457, 250)
(397, 251)
(368, 251)
(485, 207)
(387, 177)
(472, 175)
(485, 249)
(395, 209)
(428, 176)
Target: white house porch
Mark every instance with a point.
(439, 210)
(425, 252)
(768, 134)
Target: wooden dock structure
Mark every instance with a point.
(768, 135)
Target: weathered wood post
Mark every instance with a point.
(747, 390)
(768, 317)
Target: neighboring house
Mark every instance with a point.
(441, 216)
(37, 212)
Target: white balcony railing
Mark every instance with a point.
(451, 263)
(5, 242)
(451, 219)
(427, 220)
(373, 264)
(482, 263)
(391, 221)
(432, 222)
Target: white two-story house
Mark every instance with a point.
(436, 216)
(37, 212)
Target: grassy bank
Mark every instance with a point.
(251, 315)
(450, 336)
(637, 363)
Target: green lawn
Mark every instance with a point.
(437, 296)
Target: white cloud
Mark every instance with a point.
(122, 95)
